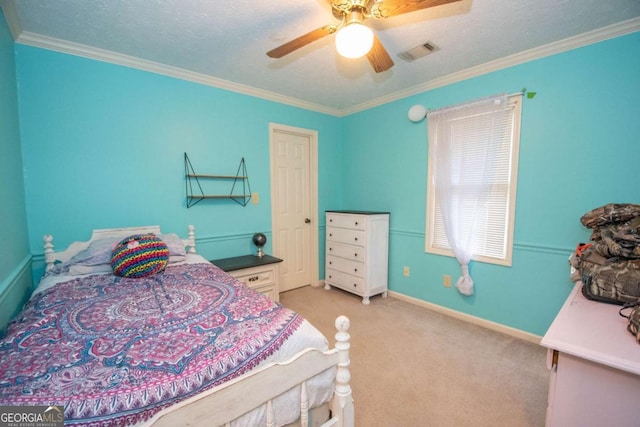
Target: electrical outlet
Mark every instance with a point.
(255, 198)
(446, 280)
(405, 271)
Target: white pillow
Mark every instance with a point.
(78, 269)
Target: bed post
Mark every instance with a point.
(49, 257)
(342, 404)
(192, 239)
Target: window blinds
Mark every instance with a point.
(472, 135)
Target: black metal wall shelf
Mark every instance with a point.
(193, 181)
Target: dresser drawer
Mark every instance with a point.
(356, 253)
(357, 222)
(345, 281)
(269, 290)
(256, 276)
(345, 265)
(343, 235)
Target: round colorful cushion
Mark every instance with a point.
(139, 255)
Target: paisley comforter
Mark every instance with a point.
(115, 351)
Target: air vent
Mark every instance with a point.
(418, 51)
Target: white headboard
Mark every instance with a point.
(51, 256)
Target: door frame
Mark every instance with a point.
(313, 192)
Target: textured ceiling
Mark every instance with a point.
(228, 40)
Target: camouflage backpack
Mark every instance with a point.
(616, 230)
(633, 318)
(610, 280)
(610, 213)
(609, 266)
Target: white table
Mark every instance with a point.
(595, 366)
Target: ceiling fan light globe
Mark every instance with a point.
(354, 41)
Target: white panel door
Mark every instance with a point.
(293, 196)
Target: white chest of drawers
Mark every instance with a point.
(357, 248)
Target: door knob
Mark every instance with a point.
(307, 220)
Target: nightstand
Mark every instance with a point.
(259, 273)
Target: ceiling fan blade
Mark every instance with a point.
(379, 57)
(388, 8)
(301, 41)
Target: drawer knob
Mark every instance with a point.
(330, 234)
(355, 254)
(356, 222)
(254, 278)
(331, 220)
(355, 285)
(330, 249)
(330, 262)
(355, 238)
(355, 269)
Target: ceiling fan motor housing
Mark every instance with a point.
(355, 15)
(343, 8)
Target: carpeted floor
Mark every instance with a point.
(413, 367)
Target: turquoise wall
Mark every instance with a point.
(15, 258)
(579, 149)
(102, 146)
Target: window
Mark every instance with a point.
(480, 165)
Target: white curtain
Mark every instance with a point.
(465, 142)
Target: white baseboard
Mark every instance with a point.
(516, 333)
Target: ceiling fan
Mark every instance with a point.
(353, 38)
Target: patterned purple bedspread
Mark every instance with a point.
(114, 351)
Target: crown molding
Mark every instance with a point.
(32, 39)
(77, 49)
(591, 37)
(11, 15)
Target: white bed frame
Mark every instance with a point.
(227, 402)
(51, 256)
